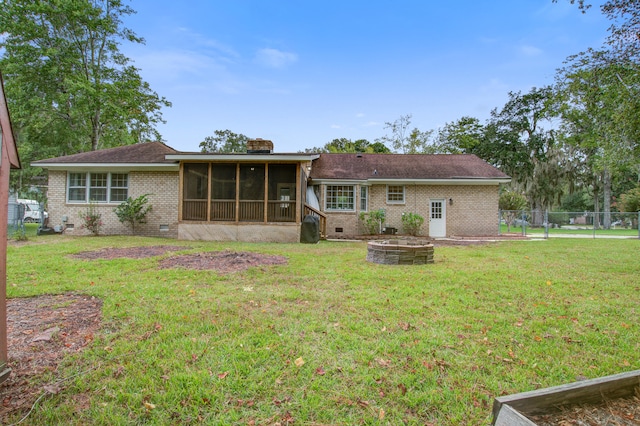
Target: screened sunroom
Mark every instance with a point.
(257, 196)
(240, 192)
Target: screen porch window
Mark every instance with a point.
(340, 198)
(194, 191)
(395, 194)
(239, 192)
(252, 192)
(101, 187)
(282, 193)
(223, 192)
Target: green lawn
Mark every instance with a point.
(330, 338)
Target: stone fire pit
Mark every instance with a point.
(400, 252)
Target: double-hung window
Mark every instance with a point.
(100, 187)
(119, 188)
(77, 188)
(340, 198)
(364, 198)
(395, 194)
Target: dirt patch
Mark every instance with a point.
(128, 252)
(220, 261)
(40, 332)
(225, 261)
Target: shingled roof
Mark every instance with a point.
(142, 153)
(403, 167)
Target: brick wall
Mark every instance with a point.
(474, 210)
(162, 188)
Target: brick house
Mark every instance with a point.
(457, 195)
(263, 196)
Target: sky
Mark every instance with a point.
(302, 73)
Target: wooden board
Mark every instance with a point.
(548, 400)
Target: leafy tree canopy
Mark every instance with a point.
(69, 87)
(404, 141)
(347, 145)
(224, 141)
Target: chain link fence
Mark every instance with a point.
(15, 225)
(547, 224)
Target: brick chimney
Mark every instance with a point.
(259, 146)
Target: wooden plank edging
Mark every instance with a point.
(593, 391)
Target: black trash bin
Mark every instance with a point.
(310, 231)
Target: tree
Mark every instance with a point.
(133, 211)
(601, 88)
(398, 137)
(520, 140)
(511, 202)
(224, 141)
(347, 145)
(69, 87)
(404, 141)
(630, 200)
(463, 136)
(599, 111)
(625, 15)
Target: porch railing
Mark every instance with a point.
(321, 216)
(281, 211)
(194, 210)
(223, 210)
(250, 210)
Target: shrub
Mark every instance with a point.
(630, 200)
(133, 211)
(511, 202)
(372, 221)
(411, 223)
(91, 219)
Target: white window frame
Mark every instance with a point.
(80, 188)
(87, 188)
(364, 198)
(113, 187)
(395, 194)
(332, 206)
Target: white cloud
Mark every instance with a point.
(360, 115)
(495, 85)
(274, 58)
(528, 50)
(199, 40)
(371, 124)
(336, 126)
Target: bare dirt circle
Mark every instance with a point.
(42, 330)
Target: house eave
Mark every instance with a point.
(386, 181)
(151, 167)
(240, 158)
(339, 181)
(451, 181)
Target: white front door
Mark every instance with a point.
(437, 219)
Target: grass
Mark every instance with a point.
(330, 338)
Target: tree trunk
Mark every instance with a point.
(606, 205)
(596, 209)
